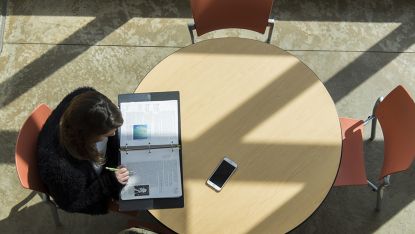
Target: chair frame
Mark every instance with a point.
(271, 22)
(46, 199)
(53, 207)
(379, 189)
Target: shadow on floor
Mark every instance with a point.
(351, 209)
(342, 10)
(38, 218)
(285, 10)
(7, 143)
(55, 58)
(366, 65)
(115, 15)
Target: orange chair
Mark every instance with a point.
(211, 15)
(396, 115)
(352, 165)
(25, 157)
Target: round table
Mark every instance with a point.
(268, 112)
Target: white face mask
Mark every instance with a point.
(102, 145)
(106, 135)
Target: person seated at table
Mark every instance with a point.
(75, 145)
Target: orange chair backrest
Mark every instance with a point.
(210, 15)
(25, 154)
(396, 115)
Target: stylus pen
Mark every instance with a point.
(111, 168)
(116, 169)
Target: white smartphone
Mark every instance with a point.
(221, 174)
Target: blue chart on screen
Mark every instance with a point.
(140, 132)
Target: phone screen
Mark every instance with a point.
(222, 173)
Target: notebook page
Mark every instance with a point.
(156, 174)
(149, 122)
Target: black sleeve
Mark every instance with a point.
(70, 188)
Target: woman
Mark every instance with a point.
(75, 145)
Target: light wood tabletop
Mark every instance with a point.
(268, 112)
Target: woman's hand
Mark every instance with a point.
(122, 175)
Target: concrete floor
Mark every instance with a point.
(359, 49)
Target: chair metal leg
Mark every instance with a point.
(374, 120)
(23, 202)
(369, 118)
(191, 27)
(380, 191)
(54, 211)
(46, 199)
(372, 186)
(271, 23)
(55, 214)
(379, 198)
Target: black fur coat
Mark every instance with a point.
(74, 184)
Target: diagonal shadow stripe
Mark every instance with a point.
(343, 10)
(55, 58)
(142, 8)
(7, 145)
(366, 65)
(284, 97)
(284, 153)
(285, 10)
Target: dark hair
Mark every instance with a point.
(88, 115)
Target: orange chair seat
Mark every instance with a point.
(352, 166)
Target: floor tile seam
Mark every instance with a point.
(178, 47)
(89, 45)
(2, 23)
